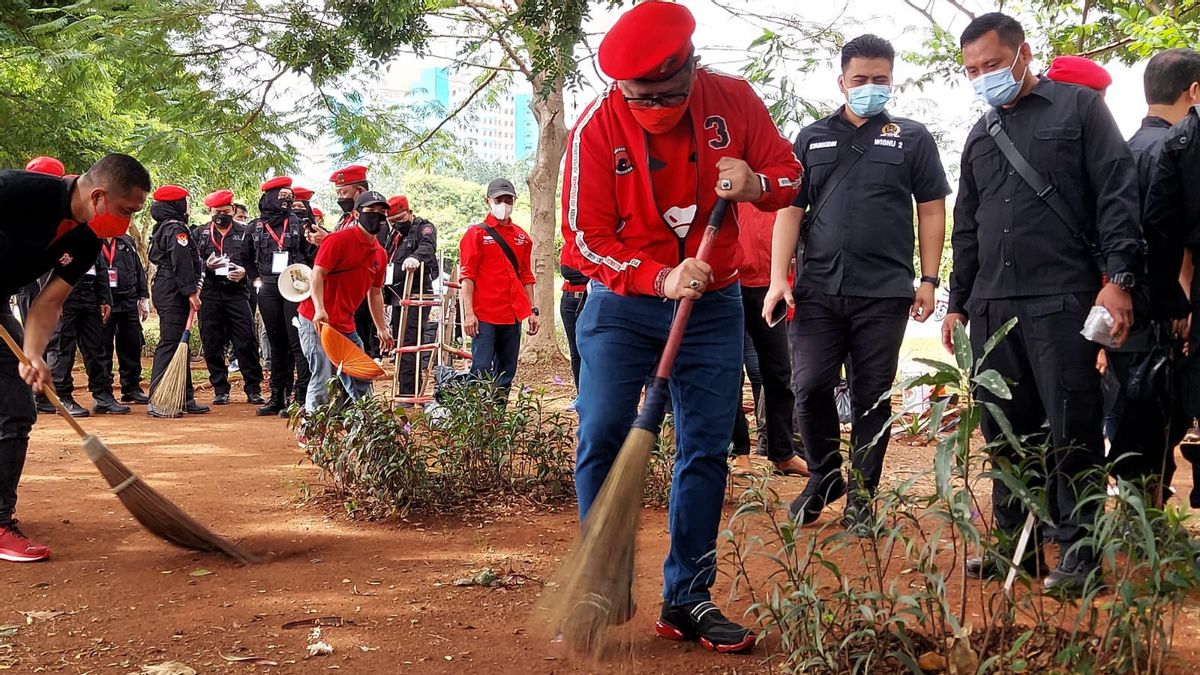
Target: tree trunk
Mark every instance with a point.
(543, 186)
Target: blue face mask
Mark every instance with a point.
(868, 100)
(998, 87)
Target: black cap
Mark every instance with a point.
(501, 186)
(370, 198)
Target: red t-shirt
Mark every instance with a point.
(500, 296)
(354, 263)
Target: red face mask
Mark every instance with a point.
(659, 120)
(108, 224)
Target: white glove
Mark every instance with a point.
(143, 309)
(215, 261)
(411, 264)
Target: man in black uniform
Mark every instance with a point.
(1016, 257)
(176, 287)
(40, 232)
(410, 242)
(279, 240)
(51, 167)
(854, 287)
(81, 326)
(1140, 438)
(227, 250)
(131, 306)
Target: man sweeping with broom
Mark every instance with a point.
(645, 167)
(48, 224)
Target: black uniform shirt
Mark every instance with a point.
(1146, 145)
(291, 239)
(93, 290)
(130, 274)
(861, 240)
(34, 208)
(173, 252)
(1007, 242)
(237, 244)
(1172, 214)
(419, 242)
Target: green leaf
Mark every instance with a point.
(962, 349)
(994, 382)
(996, 337)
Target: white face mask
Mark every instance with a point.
(501, 210)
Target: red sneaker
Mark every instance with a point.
(16, 547)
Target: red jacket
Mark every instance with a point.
(500, 296)
(609, 211)
(754, 236)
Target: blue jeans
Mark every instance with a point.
(620, 339)
(494, 352)
(322, 368)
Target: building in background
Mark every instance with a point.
(503, 132)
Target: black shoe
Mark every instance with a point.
(703, 622)
(285, 412)
(255, 399)
(44, 406)
(221, 399)
(107, 405)
(136, 397)
(992, 566)
(193, 408)
(74, 408)
(819, 492)
(1070, 577)
(272, 407)
(160, 414)
(859, 518)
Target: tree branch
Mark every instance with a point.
(446, 120)
(1107, 48)
(262, 104)
(924, 11)
(959, 6)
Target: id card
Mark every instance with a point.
(279, 261)
(389, 276)
(222, 271)
(112, 278)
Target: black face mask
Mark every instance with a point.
(347, 204)
(222, 220)
(372, 222)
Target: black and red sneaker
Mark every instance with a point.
(16, 547)
(703, 622)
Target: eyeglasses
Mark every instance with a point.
(657, 101)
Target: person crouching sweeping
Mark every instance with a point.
(350, 266)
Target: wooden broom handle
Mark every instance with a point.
(48, 393)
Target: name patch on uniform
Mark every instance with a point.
(817, 145)
(889, 143)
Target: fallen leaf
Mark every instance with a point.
(41, 616)
(932, 662)
(200, 573)
(168, 668)
(252, 660)
(40, 584)
(320, 649)
(8, 631)
(333, 621)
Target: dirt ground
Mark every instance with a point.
(113, 599)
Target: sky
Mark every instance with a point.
(726, 27)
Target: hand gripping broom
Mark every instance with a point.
(594, 583)
(155, 512)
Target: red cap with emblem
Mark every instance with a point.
(169, 193)
(302, 194)
(397, 204)
(1079, 70)
(650, 42)
(318, 212)
(219, 198)
(46, 165)
(355, 173)
(277, 182)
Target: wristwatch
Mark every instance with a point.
(933, 281)
(1126, 280)
(537, 312)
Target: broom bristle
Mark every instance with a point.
(155, 512)
(171, 391)
(592, 590)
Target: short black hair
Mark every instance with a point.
(120, 173)
(1007, 28)
(240, 207)
(1170, 74)
(867, 47)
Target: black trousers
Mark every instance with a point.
(1141, 439)
(826, 331)
(17, 416)
(225, 319)
(569, 307)
(286, 355)
(1052, 371)
(79, 327)
(124, 333)
(774, 366)
(428, 335)
(173, 310)
(364, 325)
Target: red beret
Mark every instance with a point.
(355, 173)
(169, 193)
(46, 165)
(1081, 71)
(652, 41)
(397, 204)
(219, 198)
(318, 212)
(277, 182)
(302, 194)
